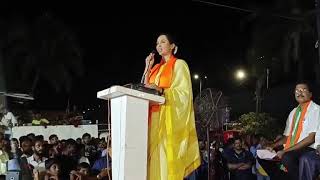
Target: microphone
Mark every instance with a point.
(141, 86)
(144, 74)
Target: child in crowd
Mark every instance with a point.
(52, 172)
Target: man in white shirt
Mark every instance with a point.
(37, 160)
(299, 134)
(8, 118)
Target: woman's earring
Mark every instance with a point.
(175, 50)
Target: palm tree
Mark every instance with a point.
(279, 42)
(43, 50)
(276, 44)
(58, 57)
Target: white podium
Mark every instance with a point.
(129, 130)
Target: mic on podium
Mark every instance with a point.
(141, 86)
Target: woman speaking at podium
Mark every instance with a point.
(173, 151)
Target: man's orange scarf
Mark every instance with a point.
(295, 132)
(166, 74)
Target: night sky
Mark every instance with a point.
(116, 38)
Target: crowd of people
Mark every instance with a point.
(36, 158)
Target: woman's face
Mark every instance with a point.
(55, 169)
(15, 143)
(102, 144)
(84, 171)
(163, 46)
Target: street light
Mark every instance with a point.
(240, 74)
(196, 77)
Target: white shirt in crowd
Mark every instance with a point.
(7, 118)
(40, 165)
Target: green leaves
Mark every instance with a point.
(261, 123)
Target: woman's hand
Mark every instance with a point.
(74, 175)
(149, 61)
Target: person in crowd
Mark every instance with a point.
(107, 147)
(83, 172)
(51, 152)
(69, 157)
(6, 144)
(258, 142)
(8, 119)
(102, 163)
(82, 157)
(239, 161)
(15, 151)
(4, 157)
(31, 136)
(25, 146)
(102, 146)
(79, 140)
(53, 139)
(37, 160)
(90, 150)
(53, 171)
(38, 120)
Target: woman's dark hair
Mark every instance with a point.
(170, 38)
(52, 136)
(14, 139)
(49, 162)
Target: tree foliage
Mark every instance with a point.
(42, 49)
(260, 123)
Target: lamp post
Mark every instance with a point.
(241, 75)
(198, 77)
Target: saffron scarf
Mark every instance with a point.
(296, 125)
(161, 75)
(162, 80)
